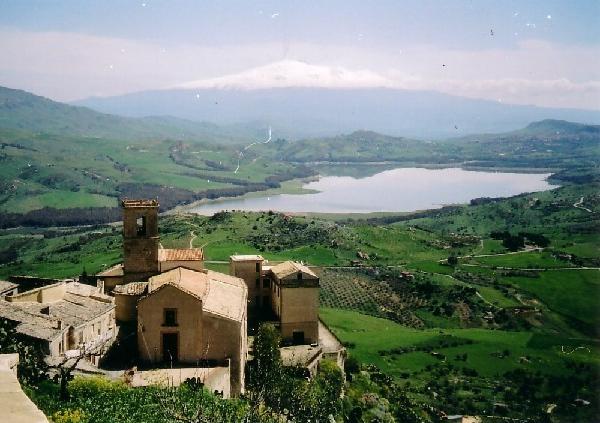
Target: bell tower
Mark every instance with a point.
(140, 239)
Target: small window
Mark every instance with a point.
(258, 282)
(141, 225)
(170, 317)
(266, 283)
(299, 275)
(258, 267)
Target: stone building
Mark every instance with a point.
(289, 290)
(196, 318)
(249, 268)
(64, 318)
(295, 301)
(191, 316)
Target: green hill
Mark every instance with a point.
(545, 144)
(21, 110)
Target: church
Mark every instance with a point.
(189, 315)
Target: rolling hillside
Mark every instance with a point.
(23, 111)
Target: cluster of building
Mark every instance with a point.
(183, 314)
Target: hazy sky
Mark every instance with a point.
(527, 52)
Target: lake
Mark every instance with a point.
(395, 190)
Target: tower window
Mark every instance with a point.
(258, 267)
(141, 225)
(170, 317)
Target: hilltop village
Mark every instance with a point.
(188, 321)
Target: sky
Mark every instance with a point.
(544, 53)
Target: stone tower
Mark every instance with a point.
(140, 239)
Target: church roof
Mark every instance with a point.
(221, 294)
(180, 254)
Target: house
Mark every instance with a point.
(63, 318)
(295, 301)
(290, 291)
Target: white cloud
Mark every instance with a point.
(68, 66)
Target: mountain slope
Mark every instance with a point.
(315, 111)
(21, 110)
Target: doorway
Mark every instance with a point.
(298, 337)
(170, 347)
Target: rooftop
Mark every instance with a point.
(246, 257)
(288, 268)
(299, 355)
(6, 286)
(180, 254)
(221, 294)
(79, 304)
(126, 203)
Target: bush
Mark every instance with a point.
(69, 416)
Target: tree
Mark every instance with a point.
(32, 368)
(452, 260)
(265, 373)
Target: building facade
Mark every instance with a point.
(196, 318)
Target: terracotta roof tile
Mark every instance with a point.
(180, 254)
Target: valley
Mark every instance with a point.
(499, 324)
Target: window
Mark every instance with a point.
(170, 317)
(258, 267)
(266, 283)
(141, 225)
(299, 276)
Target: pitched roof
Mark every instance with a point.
(189, 281)
(221, 294)
(288, 268)
(180, 254)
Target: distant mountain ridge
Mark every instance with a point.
(315, 111)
